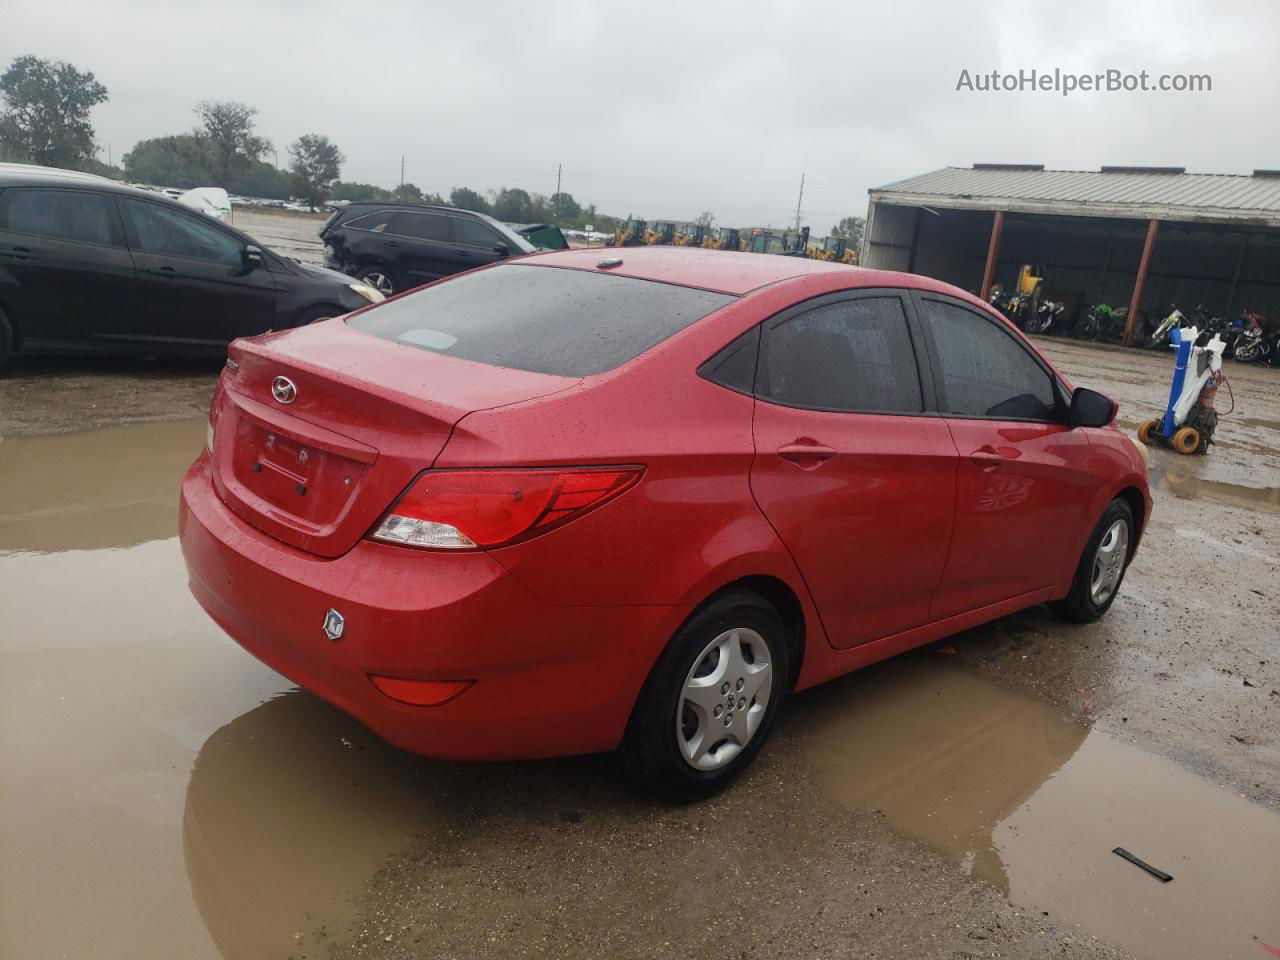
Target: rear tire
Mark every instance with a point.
(710, 700)
(1147, 432)
(1102, 566)
(380, 278)
(6, 340)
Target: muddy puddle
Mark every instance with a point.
(1025, 798)
(162, 794)
(1190, 487)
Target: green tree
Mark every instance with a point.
(358, 191)
(564, 207)
(408, 193)
(264, 180)
(850, 228)
(315, 161)
(512, 205)
(100, 169)
(464, 198)
(226, 135)
(44, 112)
(178, 161)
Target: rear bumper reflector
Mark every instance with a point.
(420, 693)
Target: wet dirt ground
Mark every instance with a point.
(163, 794)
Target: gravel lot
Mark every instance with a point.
(163, 794)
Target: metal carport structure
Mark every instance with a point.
(1145, 236)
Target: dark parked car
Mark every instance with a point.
(87, 264)
(396, 246)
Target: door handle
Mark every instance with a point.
(987, 458)
(463, 254)
(20, 253)
(167, 272)
(392, 243)
(805, 453)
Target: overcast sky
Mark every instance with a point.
(666, 109)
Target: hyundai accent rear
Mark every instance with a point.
(565, 505)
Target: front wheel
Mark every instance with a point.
(710, 701)
(1247, 348)
(378, 277)
(1102, 566)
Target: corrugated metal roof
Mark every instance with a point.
(1193, 196)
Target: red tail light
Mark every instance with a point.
(215, 404)
(466, 509)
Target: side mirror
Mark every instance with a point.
(1089, 408)
(253, 258)
(501, 249)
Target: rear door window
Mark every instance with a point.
(61, 215)
(476, 234)
(852, 356)
(422, 226)
(984, 370)
(571, 323)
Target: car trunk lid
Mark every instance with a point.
(351, 421)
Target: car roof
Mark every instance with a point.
(14, 173)
(27, 175)
(723, 271)
(420, 207)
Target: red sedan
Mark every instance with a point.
(632, 499)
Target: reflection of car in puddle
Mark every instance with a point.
(291, 808)
(1024, 797)
(951, 756)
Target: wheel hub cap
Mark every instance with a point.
(1108, 562)
(724, 698)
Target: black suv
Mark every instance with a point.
(396, 246)
(88, 264)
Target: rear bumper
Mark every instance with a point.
(548, 680)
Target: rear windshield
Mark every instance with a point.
(571, 323)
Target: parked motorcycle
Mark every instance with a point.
(1256, 340)
(1101, 322)
(1048, 314)
(1024, 310)
(1259, 341)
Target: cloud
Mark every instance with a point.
(665, 109)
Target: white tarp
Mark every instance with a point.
(211, 201)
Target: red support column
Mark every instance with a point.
(1131, 321)
(993, 251)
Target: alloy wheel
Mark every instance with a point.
(380, 282)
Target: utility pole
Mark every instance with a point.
(559, 170)
(798, 201)
(400, 195)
